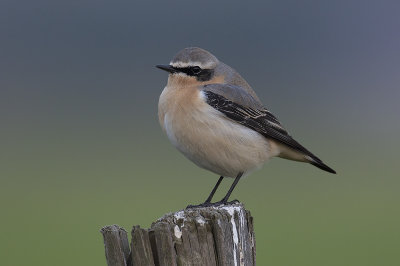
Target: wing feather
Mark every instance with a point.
(239, 105)
(260, 120)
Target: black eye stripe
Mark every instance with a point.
(195, 71)
(189, 70)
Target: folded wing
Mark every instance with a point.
(238, 105)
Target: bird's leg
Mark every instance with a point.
(208, 200)
(225, 199)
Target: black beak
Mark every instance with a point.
(167, 68)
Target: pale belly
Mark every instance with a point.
(216, 143)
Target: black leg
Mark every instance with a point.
(208, 203)
(208, 200)
(225, 199)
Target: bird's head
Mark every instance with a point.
(193, 65)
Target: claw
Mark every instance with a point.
(234, 202)
(203, 205)
(215, 204)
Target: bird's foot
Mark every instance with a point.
(215, 204)
(225, 202)
(203, 205)
(233, 202)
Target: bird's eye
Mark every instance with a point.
(196, 70)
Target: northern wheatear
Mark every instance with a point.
(213, 116)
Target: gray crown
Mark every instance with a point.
(194, 56)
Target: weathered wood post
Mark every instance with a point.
(221, 235)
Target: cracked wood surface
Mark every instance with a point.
(221, 235)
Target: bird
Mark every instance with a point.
(214, 117)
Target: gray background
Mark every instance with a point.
(81, 146)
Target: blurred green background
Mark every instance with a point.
(81, 146)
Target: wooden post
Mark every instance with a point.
(221, 235)
(116, 245)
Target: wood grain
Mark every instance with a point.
(221, 235)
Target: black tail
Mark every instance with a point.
(318, 163)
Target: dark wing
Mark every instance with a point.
(261, 121)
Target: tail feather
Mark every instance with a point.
(302, 155)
